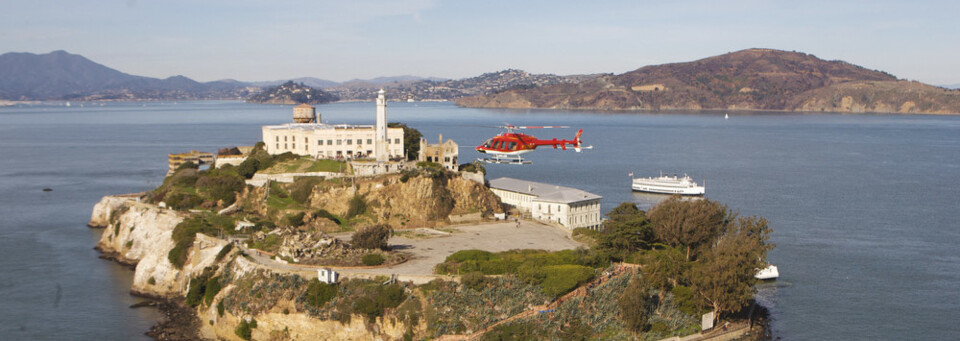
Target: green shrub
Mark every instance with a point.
(184, 178)
(319, 293)
(224, 251)
(474, 280)
(372, 259)
(183, 236)
(428, 164)
(151, 281)
(293, 219)
(465, 255)
(322, 213)
(372, 237)
(219, 185)
(211, 289)
(187, 165)
(248, 167)
(564, 278)
(356, 206)
(302, 188)
(182, 200)
(244, 330)
(220, 308)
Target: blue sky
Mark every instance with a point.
(340, 40)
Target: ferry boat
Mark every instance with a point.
(668, 185)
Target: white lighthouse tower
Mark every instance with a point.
(381, 144)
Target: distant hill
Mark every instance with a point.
(312, 82)
(292, 93)
(451, 89)
(61, 75)
(753, 79)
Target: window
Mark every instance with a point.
(396, 141)
(294, 146)
(306, 147)
(369, 152)
(284, 146)
(513, 145)
(305, 140)
(358, 142)
(284, 139)
(278, 138)
(278, 145)
(330, 142)
(339, 142)
(369, 141)
(349, 142)
(319, 142)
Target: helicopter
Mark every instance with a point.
(507, 147)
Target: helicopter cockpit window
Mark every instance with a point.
(513, 145)
(486, 144)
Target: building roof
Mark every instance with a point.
(543, 192)
(304, 105)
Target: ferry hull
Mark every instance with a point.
(692, 191)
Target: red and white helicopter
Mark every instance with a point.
(507, 147)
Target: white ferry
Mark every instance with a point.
(668, 185)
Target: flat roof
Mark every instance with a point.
(543, 192)
(318, 126)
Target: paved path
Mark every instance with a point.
(427, 253)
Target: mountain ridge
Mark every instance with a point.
(752, 79)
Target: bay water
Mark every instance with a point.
(864, 208)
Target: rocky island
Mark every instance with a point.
(753, 79)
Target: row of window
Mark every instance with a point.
(339, 141)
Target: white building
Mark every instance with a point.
(569, 207)
(328, 276)
(340, 141)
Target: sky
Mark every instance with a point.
(258, 40)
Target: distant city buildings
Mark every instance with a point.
(569, 207)
(443, 152)
(309, 136)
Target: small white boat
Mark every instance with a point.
(668, 185)
(769, 272)
(726, 116)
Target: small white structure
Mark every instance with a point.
(569, 207)
(327, 275)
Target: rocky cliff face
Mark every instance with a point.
(137, 233)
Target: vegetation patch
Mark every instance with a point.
(372, 259)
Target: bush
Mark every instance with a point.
(465, 255)
(220, 308)
(224, 251)
(474, 280)
(181, 200)
(187, 165)
(302, 188)
(372, 259)
(244, 330)
(322, 213)
(219, 185)
(686, 300)
(248, 167)
(372, 237)
(561, 279)
(357, 206)
(211, 289)
(183, 236)
(633, 306)
(430, 165)
(293, 219)
(319, 293)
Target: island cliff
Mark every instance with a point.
(753, 79)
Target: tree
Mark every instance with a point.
(372, 237)
(411, 140)
(628, 230)
(724, 275)
(677, 222)
(633, 305)
(663, 269)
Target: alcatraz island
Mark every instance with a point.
(335, 231)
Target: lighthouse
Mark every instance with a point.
(381, 144)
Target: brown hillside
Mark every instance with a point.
(754, 79)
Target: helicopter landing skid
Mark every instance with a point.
(506, 161)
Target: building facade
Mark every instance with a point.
(197, 157)
(339, 141)
(568, 207)
(444, 152)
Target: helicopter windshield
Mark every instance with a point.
(486, 144)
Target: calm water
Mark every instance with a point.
(864, 207)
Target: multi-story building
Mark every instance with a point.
(444, 152)
(569, 207)
(335, 141)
